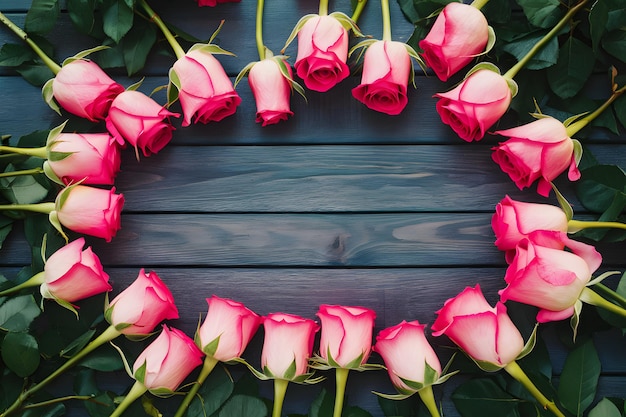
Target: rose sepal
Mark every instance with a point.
(294, 32)
(347, 22)
(267, 374)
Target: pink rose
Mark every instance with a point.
(322, 53)
(83, 89)
(271, 90)
(167, 361)
(139, 120)
(540, 150)
(386, 69)
(515, 220)
(346, 340)
(475, 105)
(213, 3)
(287, 346)
(545, 275)
(459, 33)
(485, 333)
(205, 92)
(89, 210)
(71, 274)
(91, 158)
(227, 329)
(406, 352)
(142, 305)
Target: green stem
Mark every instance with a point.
(33, 281)
(171, 39)
(479, 4)
(589, 296)
(41, 152)
(323, 10)
(59, 400)
(360, 5)
(603, 289)
(579, 124)
(54, 67)
(427, 396)
(33, 171)
(207, 368)
(576, 225)
(510, 74)
(280, 388)
(341, 380)
(386, 20)
(45, 208)
(136, 391)
(516, 372)
(260, 46)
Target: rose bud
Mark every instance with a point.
(406, 352)
(142, 305)
(540, 150)
(89, 210)
(386, 69)
(322, 53)
(271, 90)
(475, 105)
(459, 33)
(515, 220)
(83, 89)
(485, 333)
(346, 339)
(139, 120)
(287, 346)
(71, 274)
(545, 275)
(205, 91)
(167, 361)
(227, 329)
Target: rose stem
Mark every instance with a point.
(171, 39)
(207, 368)
(516, 372)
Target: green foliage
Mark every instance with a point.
(42, 16)
(212, 395)
(20, 352)
(605, 408)
(17, 313)
(579, 378)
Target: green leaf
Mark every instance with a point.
(541, 13)
(408, 407)
(24, 189)
(243, 405)
(36, 74)
(105, 359)
(323, 405)
(82, 14)
(137, 44)
(598, 18)
(599, 186)
(6, 225)
(20, 353)
(579, 378)
(615, 44)
(213, 393)
(354, 411)
(117, 20)
(12, 55)
(544, 58)
(605, 408)
(573, 68)
(619, 106)
(483, 397)
(17, 313)
(42, 16)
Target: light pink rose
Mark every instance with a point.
(90, 210)
(545, 275)
(227, 329)
(206, 93)
(287, 346)
(346, 339)
(515, 220)
(94, 158)
(271, 90)
(540, 150)
(459, 33)
(71, 274)
(137, 119)
(386, 69)
(475, 105)
(142, 305)
(406, 352)
(167, 361)
(322, 53)
(83, 89)
(485, 333)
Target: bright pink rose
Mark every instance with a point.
(288, 344)
(139, 120)
(213, 3)
(485, 333)
(94, 158)
(89, 210)
(227, 329)
(540, 150)
(167, 361)
(386, 69)
(346, 340)
(205, 92)
(459, 33)
(406, 352)
(475, 105)
(71, 274)
(515, 220)
(322, 53)
(545, 275)
(142, 305)
(271, 90)
(83, 89)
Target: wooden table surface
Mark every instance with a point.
(338, 205)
